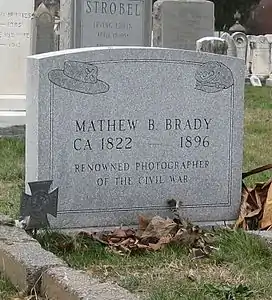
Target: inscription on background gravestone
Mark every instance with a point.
(14, 48)
(107, 23)
(126, 129)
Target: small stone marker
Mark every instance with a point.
(39, 204)
(255, 81)
(180, 23)
(105, 23)
(122, 130)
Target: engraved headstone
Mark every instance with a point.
(241, 42)
(122, 130)
(179, 23)
(35, 207)
(261, 57)
(15, 22)
(105, 23)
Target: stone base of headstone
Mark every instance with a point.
(12, 110)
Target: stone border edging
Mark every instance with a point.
(16, 131)
(27, 265)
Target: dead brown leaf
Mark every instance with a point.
(153, 235)
(256, 204)
(267, 212)
(159, 227)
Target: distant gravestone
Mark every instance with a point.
(261, 57)
(255, 81)
(105, 23)
(15, 25)
(269, 80)
(241, 42)
(43, 38)
(212, 45)
(179, 24)
(232, 50)
(121, 131)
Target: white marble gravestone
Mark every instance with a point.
(241, 42)
(179, 23)
(269, 79)
(122, 130)
(86, 23)
(232, 50)
(15, 24)
(261, 57)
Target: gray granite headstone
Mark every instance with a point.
(87, 23)
(180, 23)
(121, 131)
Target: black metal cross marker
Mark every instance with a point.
(39, 204)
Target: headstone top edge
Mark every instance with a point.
(123, 48)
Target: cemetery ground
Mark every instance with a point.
(240, 267)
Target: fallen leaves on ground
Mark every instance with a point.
(256, 204)
(153, 234)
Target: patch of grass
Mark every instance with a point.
(241, 268)
(11, 159)
(243, 249)
(11, 175)
(257, 132)
(6, 289)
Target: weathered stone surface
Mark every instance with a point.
(22, 259)
(212, 45)
(65, 283)
(43, 37)
(179, 24)
(11, 234)
(5, 219)
(232, 50)
(261, 57)
(241, 42)
(122, 130)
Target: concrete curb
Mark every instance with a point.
(27, 265)
(64, 283)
